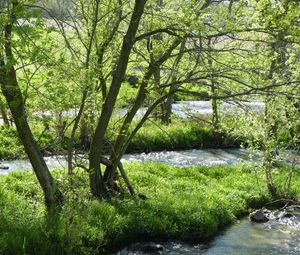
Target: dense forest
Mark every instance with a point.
(92, 83)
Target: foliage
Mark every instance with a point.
(72, 71)
(10, 145)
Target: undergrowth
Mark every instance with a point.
(183, 203)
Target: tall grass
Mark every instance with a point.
(185, 203)
(180, 135)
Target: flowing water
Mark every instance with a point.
(276, 237)
(176, 158)
(194, 157)
(244, 237)
(185, 109)
(207, 157)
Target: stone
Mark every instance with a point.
(149, 247)
(152, 248)
(282, 214)
(4, 167)
(259, 216)
(288, 215)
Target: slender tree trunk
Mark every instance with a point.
(214, 102)
(269, 150)
(84, 132)
(270, 132)
(11, 91)
(74, 129)
(167, 104)
(215, 114)
(119, 146)
(96, 180)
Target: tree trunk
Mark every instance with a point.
(11, 91)
(13, 95)
(214, 103)
(167, 104)
(118, 148)
(96, 181)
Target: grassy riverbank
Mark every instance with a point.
(180, 135)
(182, 203)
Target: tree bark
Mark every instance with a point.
(96, 181)
(118, 148)
(11, 91)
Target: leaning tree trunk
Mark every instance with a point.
(119, 145)
(96, 180)
(11, 91)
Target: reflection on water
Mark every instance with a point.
(243, 238)
(273, 237)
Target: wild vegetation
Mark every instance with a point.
(97, 79)
(187, 203)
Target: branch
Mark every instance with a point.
(168, 31)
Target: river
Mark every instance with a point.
(183, 109)
(243, 238)
(207, 157)
(186, 109)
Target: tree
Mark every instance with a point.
(99, 49)
(13, 94)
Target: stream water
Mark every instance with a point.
(184, 158)
(185, 109)
(243, 238)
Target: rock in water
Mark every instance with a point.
(259, 216)
(4, 167)
(280, 214)
(152, 248)
(148, 248)
(288, 215)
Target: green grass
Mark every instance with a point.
(10, 145)
(12, 148)
(153, 136)
(180, 135)
(182, 203)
